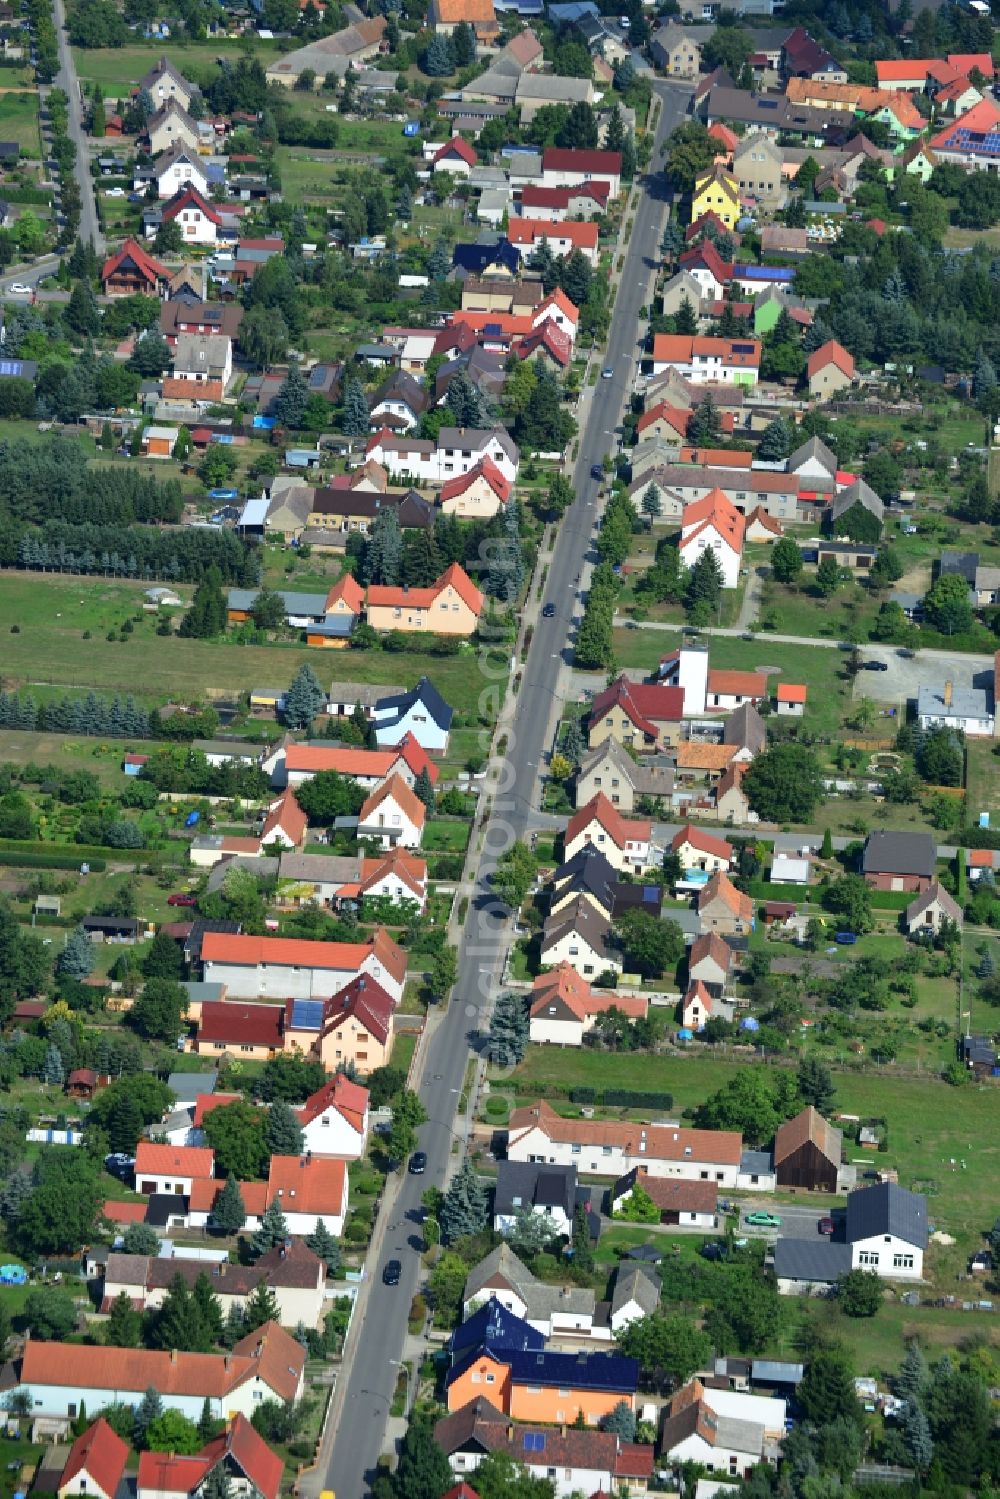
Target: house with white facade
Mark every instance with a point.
(626, 842)
(886, 1228)
(611, 1148)
(421, 713)
(697, 849)
(294, 1275)
(457, 451)
(714, 524)
(58, 1379)
(393, 815)
(564, 1007)
(725, 1431)
(334, 1119)
(289, 967)
(580, 936)
(96, 1464)
(703, 360)
(171, 1168)
(178, 168)
(548, 1192)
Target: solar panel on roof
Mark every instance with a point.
(307, 1014)
(742, 348)
(534, 1441)
(10, 366)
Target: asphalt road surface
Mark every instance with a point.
(66, 79)
(796, 1222)
(371, 1377)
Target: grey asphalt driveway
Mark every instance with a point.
(796, 1222)
(906, 675)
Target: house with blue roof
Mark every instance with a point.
(421, 712)
(752, 279)
(494, 1327)
(493, 256)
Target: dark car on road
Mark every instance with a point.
(825, 1226)
(876, 666)
(549, 611)
(596, 471)
(390, 1275)
(418, 1163)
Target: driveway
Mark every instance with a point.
(796, 1222)
(906, 675)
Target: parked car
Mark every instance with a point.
(762, 1220)
(825, 1225)
(114, 192)
(182, 898)
(876, 666)
(19, 289)
(596, 471)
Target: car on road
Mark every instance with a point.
(876, 666)
(762, 1220)
(19, 289)
(596, 471)
(607, 373)
(549, 611)
(825, 1226)
(418, 1163)
(390, 1275)
(182, 898)
(906, 653)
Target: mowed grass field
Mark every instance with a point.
(117, 69)
(943, 1140)
(19, 122)
(53, 613)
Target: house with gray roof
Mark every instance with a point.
(536, 90)
(611, 770)
(943, 705)
(886, 1231)
(636, 1294)
(548, 1192)
(813, 460)
(552, 1309)
(930, 910)
(899, 861)
(857, 495)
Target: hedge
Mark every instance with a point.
(978, 838)
(622, 1098)
(50, 861)
(27, 195)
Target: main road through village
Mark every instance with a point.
(369, 1376)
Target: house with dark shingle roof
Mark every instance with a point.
(899, 861)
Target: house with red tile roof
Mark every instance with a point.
(132, 271)
(334, 1119)
(790, 699)
(58, 1378)
(247, 1460)
(309, 1191)
(285, 824)
(706, 265)
(199, 221)
(170, 1168)
(477, 495)
(571, 167)
(713, 524)
(762, 527)
(724, 909)
(370, 768)
(450, 606)
(96, 1464)
(697, 849)
(587, 1461)
(710, 961)
(526, 235)
(588, 200)
(671, 424)
(973, 140)
(646, 716)
(703, 360)
(547, 342)
(456, 156)
(830, 369)
(397, 875)
(354, 1026)
(612, 1147)
(393, 815)
(290, 967)
(564, 1007)
(625, 842)
(253, 1032)
(698, 1006)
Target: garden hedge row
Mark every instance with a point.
(622, 1098)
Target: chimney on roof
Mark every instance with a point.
(228, 1362)
(173, 1355)
(948, 694)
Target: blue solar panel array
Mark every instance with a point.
(307, 1014)
(11, 367)
(534, 1441)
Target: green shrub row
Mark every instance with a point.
(622, 1098)
(35, 860)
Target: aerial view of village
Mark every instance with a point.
(499, 749)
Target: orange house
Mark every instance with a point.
(555, 1388)
(450, 606)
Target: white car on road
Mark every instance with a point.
(18, 289)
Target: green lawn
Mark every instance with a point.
(441, 836)
(403, 1047)
(102, 757)
(117, 69)
(983, 778)
(52, 614)
(19, 122)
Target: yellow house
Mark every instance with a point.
(450, 606)
(717, 192)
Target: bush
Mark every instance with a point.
(583, 1095)
(418, 1314)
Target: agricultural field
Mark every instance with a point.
(117, 69)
